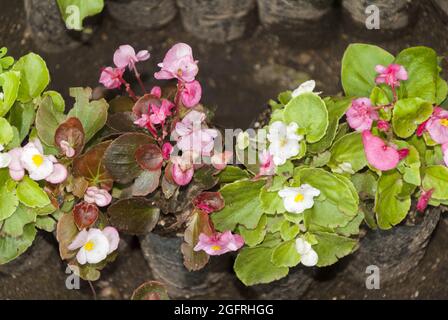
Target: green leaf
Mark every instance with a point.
(379, 97)
(365, 184)
(331, 247)
(336, 205)
(353, 226)
(134, 216)
(289, 230)
(31, 194)
(46, 223)
(285, 255)
(422, 68)
(348, 150)
(336, 109)
(6, 132)
(358, 68)
(10, 82)
(5, 61)
(232, 174)
(75, 11)
(390, 208)
(408, 114)
(93, 115)
(12, 247)
(442, 90)
(410, 166)
(48, 119)
(243, 205)
(8, 200)
(56, 98)
(22, 117)
(271, 203)
(254, 266)
(14, 225)
(436, 177)
(309, 111)
(34, 76)
(252, 237)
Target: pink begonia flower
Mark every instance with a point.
(178, 63)
(159, 114)
(437, 126)
(16, 169)
(95, 245)
(183, 168)
(111, 77)
(98, 196)
(391, 75)
(403, 153)
(59, 174)
(267, 165)
(144, 121)
(191, 136)
(378, 153)
(421, 128)
(219, 243)
(191, 94)
(68, 150)
(167, 148)
(423, 200)
(125, 56)
(156, 92)
(445, 153)
(383, 125)
(361, 114)
(220, 160)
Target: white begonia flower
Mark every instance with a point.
(38, 165)
(95, 245)
(284, 141)
(1, 95)
(308, 257)
(297, 200)
(307, 86)
(345, 167)
(5, 158)
(242, 140)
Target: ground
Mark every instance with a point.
(238, 79)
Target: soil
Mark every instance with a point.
(238, 79)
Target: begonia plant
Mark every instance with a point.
(324, 165)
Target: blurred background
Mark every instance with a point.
(248, 52)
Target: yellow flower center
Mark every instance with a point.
(89, 246)
(216, 248)
(444, 122)
(283, 142)
(179, 72)
(38, 160)
(299, 197)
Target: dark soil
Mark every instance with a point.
(238, 79)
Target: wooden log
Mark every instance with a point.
(48, 30)
(396, 251)
(147, 14)
(393, 15)
(163, 255)
(217, 20)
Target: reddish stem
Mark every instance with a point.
(139, 80)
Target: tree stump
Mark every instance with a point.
(393, 15)
(217, 20)
(147, 14)
(298, 18)
(48, 30)
(164, 257)
(396, 251)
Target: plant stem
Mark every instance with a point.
(139, 80)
